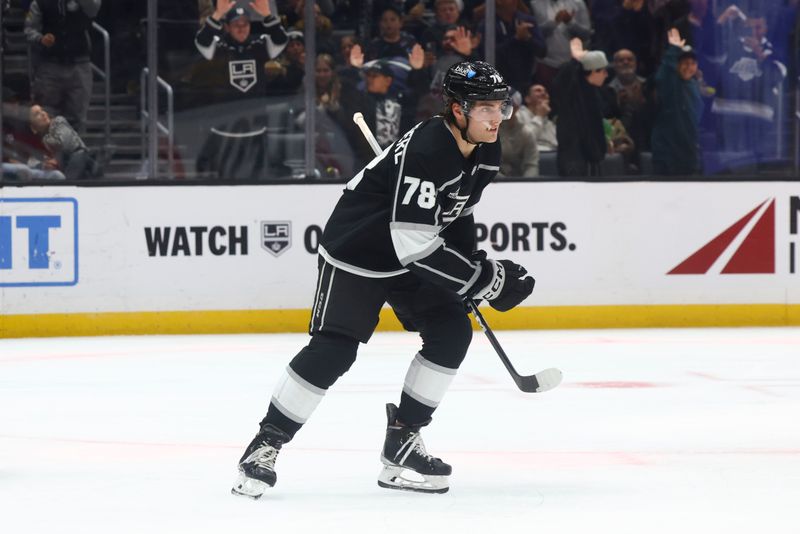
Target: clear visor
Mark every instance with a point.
(490, 110)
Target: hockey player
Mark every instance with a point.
(227, 35)
(403, 233)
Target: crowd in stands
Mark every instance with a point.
(600, 87)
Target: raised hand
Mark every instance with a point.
(576, 47)
(462, 41)
(674, 38)
(356, 56)
(223, 6)
(261, 7)
(416, 58)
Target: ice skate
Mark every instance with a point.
(257, 465)
(407, 465)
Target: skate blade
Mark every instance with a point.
(399, 478)
(249, 487)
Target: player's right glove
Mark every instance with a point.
(503, 284)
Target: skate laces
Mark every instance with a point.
(264, 456)
(419, 446)
(414, 444)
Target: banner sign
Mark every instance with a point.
(131, 249)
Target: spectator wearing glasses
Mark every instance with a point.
(582, 143)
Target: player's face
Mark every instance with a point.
(485, 118)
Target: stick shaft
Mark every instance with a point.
(358, 118)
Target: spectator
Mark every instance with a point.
(581, 137)
(750, 89)
(455, 46)
(414, 19)
(324, 30)
(386, 110)
(679, 106)
(238, 52)
(518, 143)
(66, 150)
(58, 31)
(536, 116)
(329, 87)
(559, 21)
(391, 41)
(18, 147)
(285, 74)
(334, 128)
(447, 16)
(519, 43)
(634, 108)
(346, 44)
(16, 171)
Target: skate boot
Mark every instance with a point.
(407, 465)
(257, 465)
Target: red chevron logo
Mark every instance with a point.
(754, 255)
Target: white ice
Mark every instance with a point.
(652, 431)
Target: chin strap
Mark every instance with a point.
(464, 130)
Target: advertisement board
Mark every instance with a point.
(78, 254)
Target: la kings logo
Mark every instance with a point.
(276, 237)
(242, 74)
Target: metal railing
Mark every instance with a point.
(105, 74)
(168, 130)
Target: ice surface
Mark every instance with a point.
(673, 431)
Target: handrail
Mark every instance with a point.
(168, 130)
(105, 74)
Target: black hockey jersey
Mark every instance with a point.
(244, 61)
(410, 209)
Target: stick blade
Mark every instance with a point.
(541, 381)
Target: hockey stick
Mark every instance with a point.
(543, 380)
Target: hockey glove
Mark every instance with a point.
(503, 283)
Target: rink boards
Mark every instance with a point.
(100, 260)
